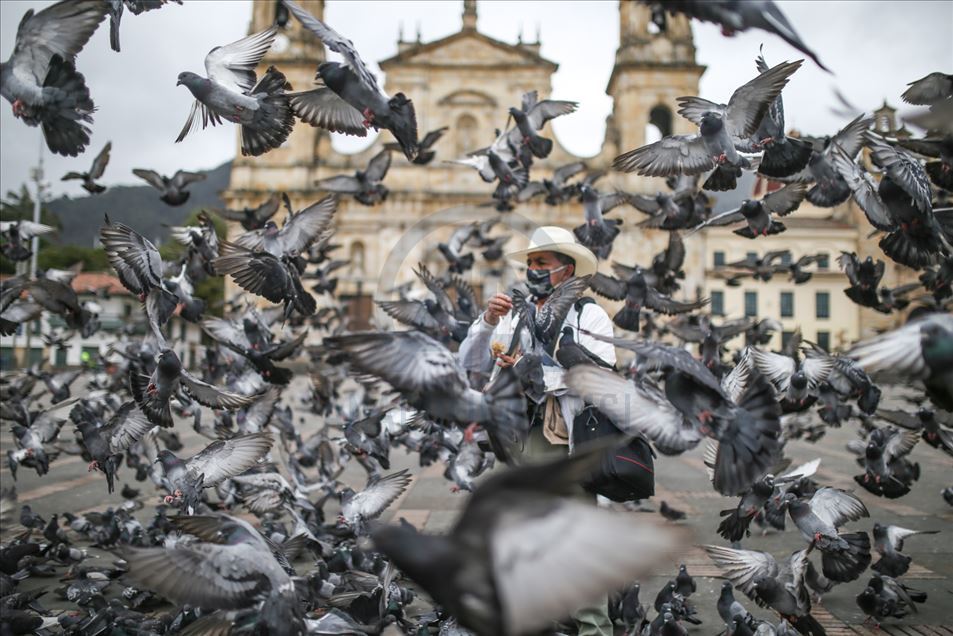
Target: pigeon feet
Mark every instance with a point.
(454, 489)
(93, 465)
(152, 389)
(368, 117)
(469, 431)
(722, 158)
(19, 108)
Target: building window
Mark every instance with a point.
(719, 259)
(751, 256)
(659, 124)
(824, 340)
(717, 303)
(823, 260)
(786, 259)
(751, 304)
(466, 135)
(357, 258)
(60, 359)
(786, 338)
(787, 304)
(823, 303)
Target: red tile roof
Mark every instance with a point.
(89, 282)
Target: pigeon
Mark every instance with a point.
(220, 460)
(431, 379)
(921, 349)
(357, 509)
(452, 250)
(300, 230)
(684, 583)
(30, 437)
(794, 378)
(437, 316)
(350, 100)
(757, 214)
(637, 293)
(95, 172)
(105, 443)
(261, 353)
(888, 541)
(935, 147)
(830, 188)
(262, 110)
(531, 116)
(152, 393)
(61, 300)
(900, 205)
(597, 233)
(676, 210)
(783, 155)
(366, 186)
(251, 218)
(277, 279)
(729, 609)
(929, 89)
(424, 153)
(493, 166)
(734, 17)
(229, 567)
(16, 238)
(173, 191)
(40, 80)
(864, 277)
(507, 517)
(885, 597)
(887, 472)
(632, 611)
(720, 128)
(934, 426)
(845, 556)
(556, 190)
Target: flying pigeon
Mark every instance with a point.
(116, 8)
(95, 172)
(758, 213)
(251, 218)
(350, 100)
(16, 238)
(40, 79)
(888, 541)
(366, 185)
(424, 153)
(638, 294)
(172, 191)
(262, 110)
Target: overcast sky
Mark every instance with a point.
(874, 49)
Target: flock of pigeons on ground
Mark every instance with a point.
(241, 541)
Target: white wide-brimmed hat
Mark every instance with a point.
(551, 238)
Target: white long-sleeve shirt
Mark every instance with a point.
(475, 353)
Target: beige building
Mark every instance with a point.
(426, 202)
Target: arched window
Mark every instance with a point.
(466, 134)
(660, 124)
(357, 257)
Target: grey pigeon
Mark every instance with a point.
(95, 172)
(17, 235)
(106, 443)
(721, 128)
(298, 232)
(230, 567)
(900, 205)
(220, 460)
(172, 190)
(277, 279)
(350, 100)
(40, 79)
(596, 232)
(366, 186)
(758, 213)
(843, 556)
(152, 393)
(437, 316)
(794, 378)
(251, 218)
(638, 295)
(262, 110)
(888, 541)
(424, 153)
(532, 116)
(357, 509)
(783, 155)
(488, 572)
(929, 89)
(556, 190)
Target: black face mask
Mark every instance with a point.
(537, 280)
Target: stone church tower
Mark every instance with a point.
(427, 202)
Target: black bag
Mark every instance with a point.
(628, 472)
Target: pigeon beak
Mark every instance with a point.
(178, 83)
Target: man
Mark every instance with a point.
(552, 257)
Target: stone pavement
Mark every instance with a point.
(681, 481)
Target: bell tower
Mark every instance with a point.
(652, 69)
(296, 53)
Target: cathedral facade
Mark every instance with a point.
(426, 203)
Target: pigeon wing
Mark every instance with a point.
(233, 65)
(376, 497)
(100, 162)
(675, 154)
(742, 567)
(323, 108)
(301, 230)
(377, 167)
(836, 507)
(864, 190)
(750, 102)
(61, 29)
(340, 184)
(226, 458)
(213, 397)
(785, 200)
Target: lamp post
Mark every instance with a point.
(37, 176)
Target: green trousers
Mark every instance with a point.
(591, 621)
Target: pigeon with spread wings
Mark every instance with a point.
(40, 79)
(350, 100)
(367, 186)
(95, 172)
(758, 213)
(172, 190)
(262, 110)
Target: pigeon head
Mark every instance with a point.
(167, 458)
(799, 380)
(925, 415)
(271, 228)
(750, 208)
(711, 123)
(169, 363)
(191, 81)
(726, 587)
